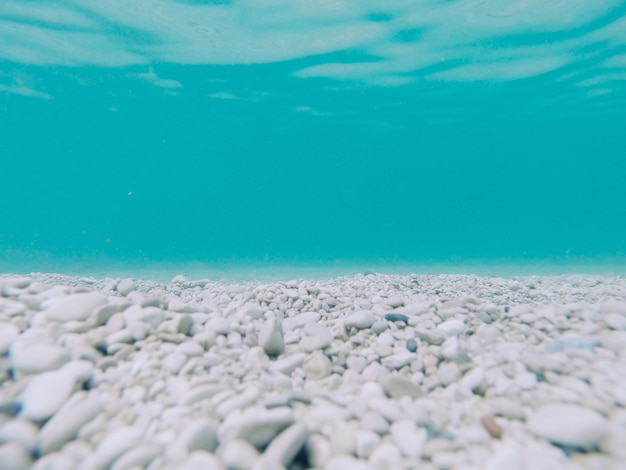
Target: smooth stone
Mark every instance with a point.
(14, 457)
(452, 327)
(408, 437)
(452, 350)
(411, 345)
(255, 425)
(393, 317)
(287, 444)
(473, 379)
(448, 373)
(375, 422)
(308, 344)
(300, 321)
(45, 394)
(379, 326)
(386, 455)
(8, 333)
(115, 444)
(199, 393)
(123, 336)
(38, 358)
(137, 457)
(356, 363)
(55, 461)
(398, 361)
(431, 337)
(615, 321)
(218, 325)
(271, 337)
(345, 462)
(317, 366)
(20, 431)
(241, 401)
(569, 425)
(360, 320)
(239, 455)
(202, 460)
(397, 386)
(395, 302)
(190, 348)
(65, 424)
(288, 364)
(125, 286)
(174, 362)
(73, 307)
(366, 441)
(199, 435)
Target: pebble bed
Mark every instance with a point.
(363, 372)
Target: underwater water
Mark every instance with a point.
(259, 135)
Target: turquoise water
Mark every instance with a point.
(342, 134)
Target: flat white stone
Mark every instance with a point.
(408, 437)
(190, 348)
(288, 364)
(64, 425)
(569, 425)
(452, 350)
(125, 286)
(73, 307)
(8, 333)
(344, 462)
(287, 444)
(360, 319)
(309, 344)
(115, 444)
(386, 455)
(300, 320)
(398, 361)
(239, 455)
(452, 327)
(45, 394)
(397, 386)
(255, 425)
(14, 457)
(448, 373)
(20, 431)
(38, 358)
(202, 460)
(615, 321)
(366, 441)
(199, 435)
(317, 366)
(137, 457)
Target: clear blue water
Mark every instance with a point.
(452, 134)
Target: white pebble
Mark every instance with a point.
(73, 307)
(317, 366)
(239, 455)
(360, 320)
(569, 425)
(271, 337)
(38, 358)
(115, 444)
(46, 393)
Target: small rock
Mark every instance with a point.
(408, 437)
(115, 444)
(397, 386)
(46, 393)
(239, 455)
(271, 337)
(448, 373)
(38, 358)
(14, 457)
(257, 426)
(125, 286)
(73, 307)
(411, 345)
(317, 366)
(569, 425)
(398, 361)
(287, 444)
(393, 317)
(137, 457)
(360, 319)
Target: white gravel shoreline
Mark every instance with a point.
(362, 372)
